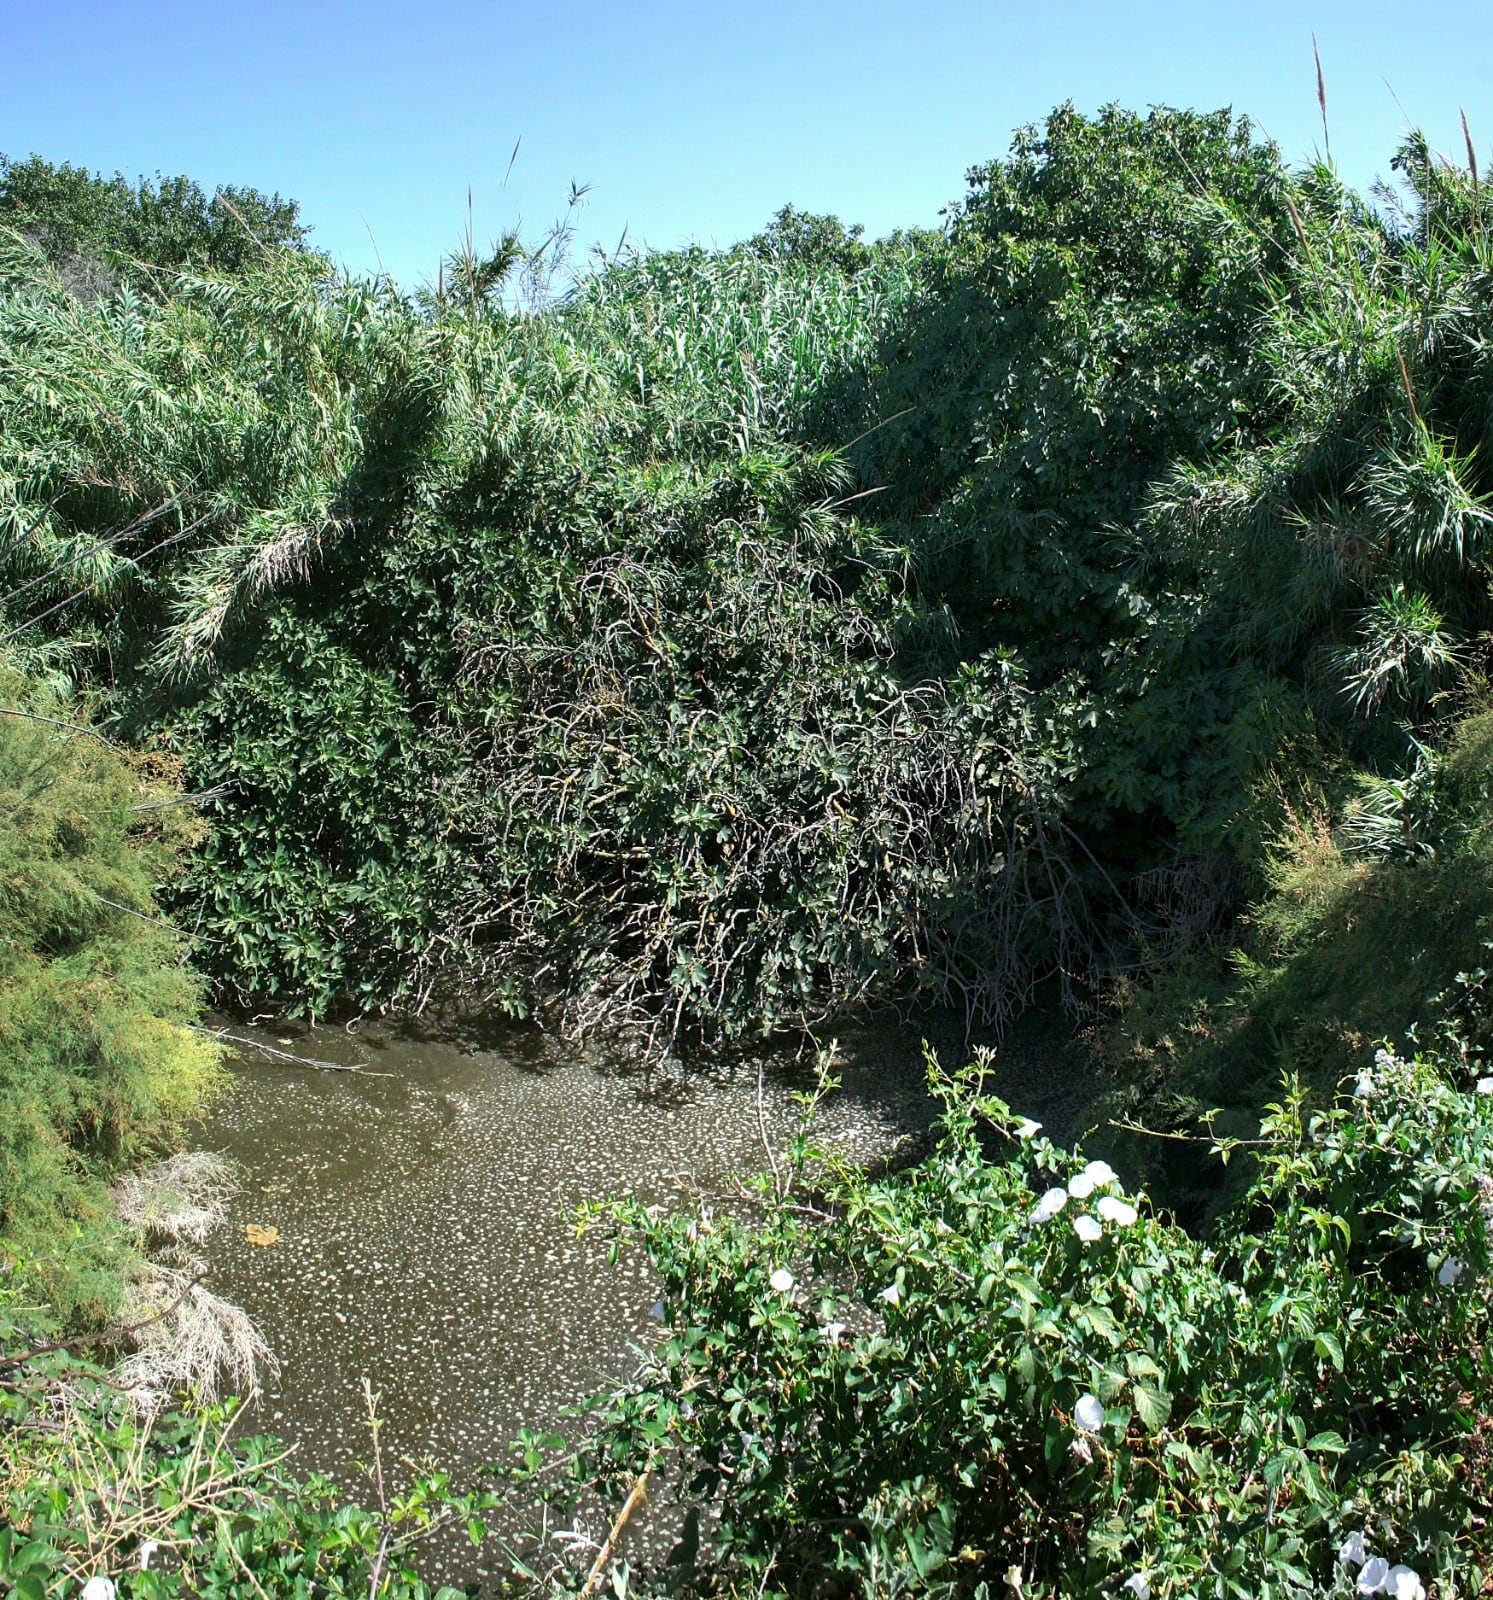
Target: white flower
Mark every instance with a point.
(1383, 1059)
(1099, 1172)
(1371, 1579)
(1484, 1086)
(1088, 1414)
(99, 1588)
(1049, 1205)
(1120, 1211)
(1139, 1583)
(1365, 1085)
(833, 1332)
(1087, 1229)
(148, 1548)
(1404, 1583)
(1451, 1270)
(892, 1295)
(1081, 1186)
(1027, 1129)
(1351, 1551)
(656, 1311)
(782, 1281)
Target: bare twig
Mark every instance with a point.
(639, 1493)
(226, 1037)
(107, 1336)
(57, 722)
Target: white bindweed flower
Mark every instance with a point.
(1365, 1085)
(833, 1332)
(782, 1281)
(656, 1311)
(1080, 1186)
(1118, 1211)
(1371, 1579)
(99, 1588)
(1088, 1228)
(1451, 1270)
(892, 1295)
(1139, 1584)
(1484, 1086)
(1351, 1552)
(1099, 1172)
(1404, 1583)
(1088, 1414)
(1049, 1205)
(148, 1548)
(1027, 1129)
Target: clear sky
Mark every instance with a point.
(688, 120)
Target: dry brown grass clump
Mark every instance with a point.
(186, 1337)
(181, 1199)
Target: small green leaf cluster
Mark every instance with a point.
(175, 1505)
(330, 857)
(995, 1369)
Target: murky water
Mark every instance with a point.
(423, 1205)
(422, 1209)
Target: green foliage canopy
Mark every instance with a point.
(91, 226)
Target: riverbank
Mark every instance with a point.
(423, 1204)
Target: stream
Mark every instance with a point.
(422, 1215)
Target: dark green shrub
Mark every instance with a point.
(950, 1381)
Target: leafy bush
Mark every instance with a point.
(93, 227)
(1366, 511)
(1371, 917)
(96, 1054)
(996, 1370)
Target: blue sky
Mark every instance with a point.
(689, 121)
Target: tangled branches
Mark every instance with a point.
(706, 803)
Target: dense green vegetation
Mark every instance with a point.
(993, 1363)
(100, 232)
(1093, 595)
(95, 1006)
(999, 1363)
(685, 743)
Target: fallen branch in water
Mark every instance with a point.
(224, 1037)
